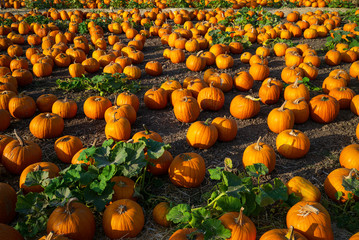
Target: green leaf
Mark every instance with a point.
(36, 178)
(107, 173)
(198, 216)
(214, 229)
(215, 173)
(256, 170)
(179, 214)
(154, 149)
(229, 204)
(339, 195)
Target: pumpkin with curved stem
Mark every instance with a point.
(310, 219)
(187, 170)
(65, 108)
(49, 167)
(182, 234)
(295, 91)
(269, 93)
(7, 203)
(334, 183)
(22, 106)
(159, 214)
(118, 129)
(292, 144)
(124, 110)
(240, 225)
(196, 63)
(283, 234)
(124, 188)
(224, 61)
(160, 166)
(303, 189)
(289, 72)
(323, 108)
(186, 110)
(75, 221)
(243, 81)
(275, 82)
(9, 232)
(178, 94)
(95, 107)
(123, 218)
(202, 135)
(211, 98)
(18, 154)
(227, 128)
(343, 95)
(156, 98)
(244, 107)
(46, 125)
(196, 86)
(147, 134)
(280, 119)
(66, 147)
(332, 82)
(300, 109)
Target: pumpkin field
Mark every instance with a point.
(165, 119)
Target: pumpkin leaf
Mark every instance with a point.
(339, 195)
(214, 229)
(36, 178)
(154, 149)
(215, 173)
(179, 214)
(257, 170)
(352, 185)
(229, 204)
(198, 216)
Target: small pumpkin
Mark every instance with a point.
(124, 188)
(303, 189)
(159, 214)
(118, 129)
(292, 144)
(243, 81)
(66, 147)
(211, 98)
(96, 106)
(227, 128)
(65, 108)
(349, 157)
(269, 93)
(160, 166)
(186, 110)
(300, 109)
(22, 106)
(343, 95)
(280, 119)
(46, 125)
(202, 135)
(153, 68)
(128, 98)
(44, 102)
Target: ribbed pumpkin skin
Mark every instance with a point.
(211, 98)
(95, 107)
(186, 110)
(187, 170)
(314, 226)
(202, 135)
(9, 233)
(300, 110)
(292, 144)
(8, 200)
(181, 234)
(125, 110)
(66, 147)
(280, 234)
(245, 232)
(323, 108)
(349, 156)
(22, 106)
(43, 166)
(280, 119)
(129, 223)
(227, 128)
(16, 158)
(160, 166)
(118, 129)
(259, 153)
(5, 119)
(77, 224)
(159, 214)
(128, 98)
(123, 189)
(65, 108)
(304, 189)
(4, 140)
(148, 135)
(355, 237)
(156, 98)
(333, 183)
(244, 107)
(47, 125)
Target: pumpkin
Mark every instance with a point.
(178, 94)
(323, 108)
(8, 200)
(125, 110)
(334, 183)
(224, 61)
(153, 68)
(310, 219)
(170, 85)
(332, 82)
(196, 63)
(91, 65)
(66, 147)
(123, 218)
(279, 49)
(44, 102)
(42, 69)
(300, 109)
(333, 58)
(75, 221)
(187, 170)
(202, 135)
(5, 97)
(209, 57)
(241, 227)
(147, 134)
(292, 144)
(295, 91)
(280, 119)
(244, 107)
(95, 107)
(124, 188)
(46, 125)
(343, 95)
(65, 108)
(5, 119)
(227, 128)
(22, 106)
(155, 98)
(259, 152)
(303, 189)
(160, 166)
(182, 234)
(290, 74)
(211, 98)
(49, 167)
(18, 154)
(354, 69)
(128, 98)
(4, 140)
(159, 214)
(269, 93)
(187, 109)
(222, 81)
(355, 237)
(349, 157)
(196, 86)
(354, 104)
(118, 129)
(177, 56)
(23, 76)
(243, 81)
(259, 71)
(282, 234)
(9, 232)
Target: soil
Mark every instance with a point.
(326, 140)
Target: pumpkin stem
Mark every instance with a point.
(338, 74)
(121, 209)
(207, 122)
(296, 83)
(37, 168)
(290, 234)
(21, 141)
(306, 210)
(147, 132)
(185, 99)
(257, 146)
(298, 100)
(281, 109)
(269, 81)
(48, 115)
(114, 117)
(68, 209)
(292, 133)
(199, 53)
(94, 142)
(49, 236)
(130, 141)
(293, 67)
(350, 175)
(239, 220)
(252, 98)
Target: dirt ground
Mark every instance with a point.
(326, 140)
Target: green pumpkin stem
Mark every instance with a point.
(49, 236)
(21, 141)
(147, 132)
(207, 122)
(239, 220)
(69, 209)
